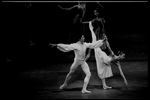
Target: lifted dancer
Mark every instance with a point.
(81, 6)
(78, 27)
(80, 51)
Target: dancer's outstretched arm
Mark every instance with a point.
(52, 45)
(95, 44)
(64, 47)
(85, 22)
(68, 8)
(79, 6)
(108, 45)
(109, 48)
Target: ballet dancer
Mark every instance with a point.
(77, 25)
(103, 61)
(99, 32)
(79, 49)
(81, 6)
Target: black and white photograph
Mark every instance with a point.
(75, 49)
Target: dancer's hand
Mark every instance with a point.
(60, 6)
(104, 38)
(122, 55)
(87, 57)
(52, 45)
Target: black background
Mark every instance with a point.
(126, 27)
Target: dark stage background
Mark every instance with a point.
(43, 23)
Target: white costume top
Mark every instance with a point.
(79, 49)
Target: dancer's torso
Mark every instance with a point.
(80, 52)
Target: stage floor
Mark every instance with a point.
(43, 83)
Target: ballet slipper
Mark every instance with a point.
(63, 86)
(106, 87)
(85, 91)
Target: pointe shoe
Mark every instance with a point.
(85, 91)
(62, 86)
(106, 87)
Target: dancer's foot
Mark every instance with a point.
(106, 87)
(63, 86)
(85, 91)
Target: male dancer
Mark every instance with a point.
(79, 49)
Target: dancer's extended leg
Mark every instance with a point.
(86, 70)
(72, 69)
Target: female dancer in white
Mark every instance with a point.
(103, 61)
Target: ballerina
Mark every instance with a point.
(104, 61)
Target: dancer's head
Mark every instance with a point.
(96, 12)
(82, 39)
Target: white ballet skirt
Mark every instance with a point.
(104, 70)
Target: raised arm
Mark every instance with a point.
(87, 22)
(66, 47)
(92, 32)
(96, 44)
(110, 50)
(68, 8)
(52, 45)
(108, 45)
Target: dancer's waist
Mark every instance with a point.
(81, 59)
